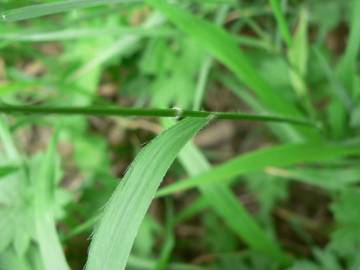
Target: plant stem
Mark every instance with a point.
(153, 112)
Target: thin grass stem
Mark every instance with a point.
(152, 112)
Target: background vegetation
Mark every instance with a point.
(274, 187)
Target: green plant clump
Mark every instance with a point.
(180, 135)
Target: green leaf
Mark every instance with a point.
(45, 182)
(227, 206)
(14, 199)
(122, 217)
(298, 55)
(334, 179)
(345, 240)
(283, 155)
(280, 18)
(6, 170)
(224, 48)
(39, 10)
(347, 66)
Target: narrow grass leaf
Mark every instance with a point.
(169, 242)
(227, 206)
(30, 35)
(207, 64)
(119, 47)
(50, 248)
(7, 142)
(298, 55)
(224, 47)
(39, 10)
(347, 66)
(339, 91)
(283, 155)
(331, 179)
(114, 237)
(280, 18)
(6, 170)
(197, 206)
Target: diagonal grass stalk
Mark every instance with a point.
(152, 112)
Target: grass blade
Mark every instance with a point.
(331, 179)
(30, 35)
(337, 88)
(39, 10)
(50, 248)
(280, 18)
(283, 155)
(224, 47)
(207, 64)
(6, 170)
(114, 237)
(298, 55)
(123, 44)
(347, 66)
(227, 206)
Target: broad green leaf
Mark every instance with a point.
(283, 155)
(122, 217)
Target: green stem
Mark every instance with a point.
(126, 112)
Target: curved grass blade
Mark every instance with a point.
(39, 10)
(114, 237)
(283, 155)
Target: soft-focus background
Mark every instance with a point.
(304, 61)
